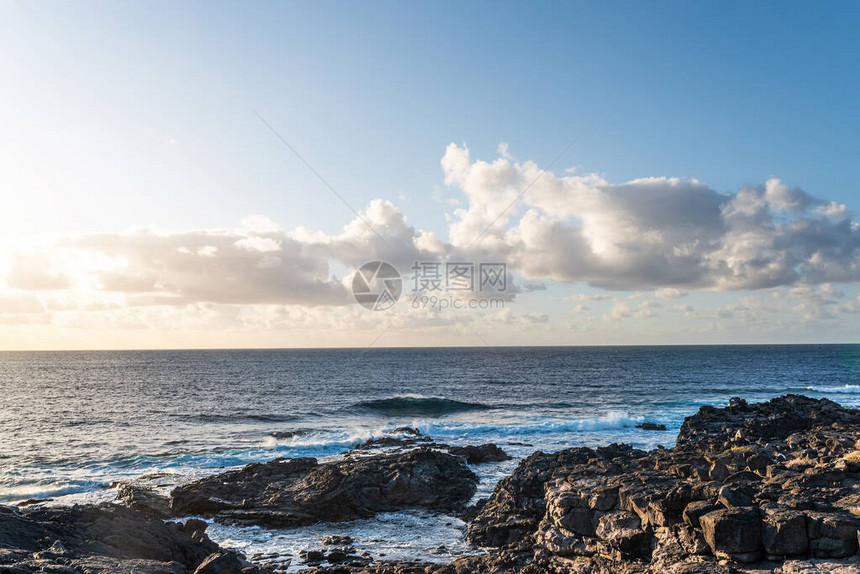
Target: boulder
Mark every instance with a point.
(784, 534)
(733, 533)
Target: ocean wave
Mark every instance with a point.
(46, 489)
(416, 405)
(607, 422)
(846, 389)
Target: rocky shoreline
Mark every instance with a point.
(768, 487)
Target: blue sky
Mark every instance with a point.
(125, 114)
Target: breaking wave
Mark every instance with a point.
(420, 406)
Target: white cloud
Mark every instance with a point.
(650, 233)
(660, 237)
(669, 293)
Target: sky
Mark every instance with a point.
(189, 174)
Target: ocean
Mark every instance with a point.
(73, 423)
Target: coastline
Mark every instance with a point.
(772, 486)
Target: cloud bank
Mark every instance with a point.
(667, 237)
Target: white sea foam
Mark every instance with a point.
(607, 422)
(408, 535)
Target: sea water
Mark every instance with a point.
(73, 423)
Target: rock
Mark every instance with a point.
(143, 498)
(102, 539)
(474, 454)
(832, 535)
(770, 421)
(651, 426)
(784, 534)
(769, 487)
(731, 497)
(518, 503)
(733, 533)
(696, 509)
(221, 563)
(773, 502)
(718, 472)
(298, 492)
(337, 540)
(480, 454)
(622, 530)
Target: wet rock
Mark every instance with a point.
(651, 426)
(480, 454)
(298, 492)
(337, 540)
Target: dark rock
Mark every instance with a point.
(832, 535)
(480, 454)
(222, 563)
(298, 492)
(101, 539)
(770, 421)
(733, 497)
(718, 472)
(143, 498)
(337, 540)
(784, 534)
(733, 533)
(651, 426)
(696, 509)
(314, 556)
(622, 530)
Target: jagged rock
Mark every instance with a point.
(734, 497)
(222, 563)
(738, 486)
(143, 498)
(770, 421)
(474, 454)
(102, 539)
(298, 492)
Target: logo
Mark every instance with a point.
(377, 285)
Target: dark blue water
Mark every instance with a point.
(74, 421)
